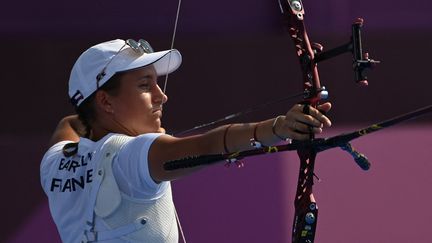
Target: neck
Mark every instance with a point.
(98, 132)
(109, 125)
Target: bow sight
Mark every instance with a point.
(361, 61)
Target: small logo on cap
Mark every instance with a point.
(100, 76)
(76, 98)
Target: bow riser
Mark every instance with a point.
(306, 210)
(293, 13)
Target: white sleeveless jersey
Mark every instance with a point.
(113, 183)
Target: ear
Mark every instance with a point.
(104, 102)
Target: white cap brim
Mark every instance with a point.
(165, 62)
(99, 63)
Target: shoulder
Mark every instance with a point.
(140, 143)
(130, 167)
(54, 151)
(59, 151)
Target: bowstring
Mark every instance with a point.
(172, 44)
(164, 91)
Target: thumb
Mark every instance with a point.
(324, 107)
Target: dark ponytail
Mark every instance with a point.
(87, 113)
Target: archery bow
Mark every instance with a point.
(306, 210)
(309, 54)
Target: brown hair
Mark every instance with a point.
(86, 110)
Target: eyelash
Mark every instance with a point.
(145, 86)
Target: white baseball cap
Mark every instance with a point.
(99, 63)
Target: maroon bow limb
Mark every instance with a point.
(306, 210)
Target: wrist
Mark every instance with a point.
(255, 142)
(276, 128)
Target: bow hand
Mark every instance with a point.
(298, 125)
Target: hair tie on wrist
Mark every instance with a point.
(254, 141)
(224, 138)
(274, 129)
(255, 131)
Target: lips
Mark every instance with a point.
(157, 111)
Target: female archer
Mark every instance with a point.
(104, 175)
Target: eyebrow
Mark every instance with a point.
(147, 76)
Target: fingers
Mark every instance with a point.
(298, 125)
(325, 107)
(314, 118)
(317, 114)
(303, 128)
(308, 120)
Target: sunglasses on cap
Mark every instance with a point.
(140, 47)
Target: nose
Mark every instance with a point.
(159, 96)
(164, 98)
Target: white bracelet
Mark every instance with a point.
(274, 129)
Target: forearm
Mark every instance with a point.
(237, 137)
(69, 128)
(234, 138)
(227, 138)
